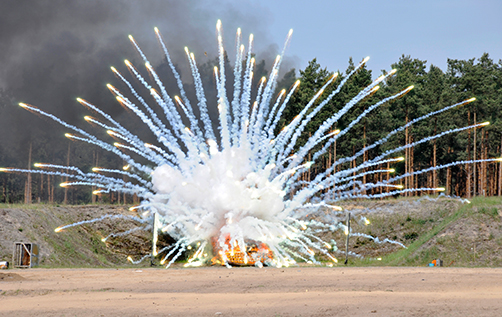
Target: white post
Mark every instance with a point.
(154, 236)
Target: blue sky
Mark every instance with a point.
(431, 30)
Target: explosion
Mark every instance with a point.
(235, 192)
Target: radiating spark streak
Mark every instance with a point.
(97, 220)
(136, 177)
(239, 185)
(92, 139)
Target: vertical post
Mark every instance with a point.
(347, 233)
(154, 237)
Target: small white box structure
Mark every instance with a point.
(25, 255)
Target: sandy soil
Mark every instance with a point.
(300, 291)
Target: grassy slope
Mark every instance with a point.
(469, 235)
(74, 247)
(459, 234)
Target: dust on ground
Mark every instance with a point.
(249, 291)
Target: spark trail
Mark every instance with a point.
(233, 195)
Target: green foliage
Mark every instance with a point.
(433, 90)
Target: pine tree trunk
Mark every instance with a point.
(27, 192)
(448, 180)
(52, 189)
(485, 166)
(388, 177)
(125, 179)
(482, 166)
(500, 172)
(65, 201)
(93, 188)
(474, 167)
(412, 177)
(448, 177)
(429, 181)
(354, 166)
(434, 158)
(381, 188)
(407, 156)
(40, 194)
(48, 188)
(364, 158)
(5, 193)
(328, 165)
(468, 186)
(434, 172)
(99, 197)
(334, 169)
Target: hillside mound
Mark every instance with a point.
(79, 246)
(461, 234)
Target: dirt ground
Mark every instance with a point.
(213, 291)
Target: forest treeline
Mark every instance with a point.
(428, 163)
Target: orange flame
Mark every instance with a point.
(255, 252)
